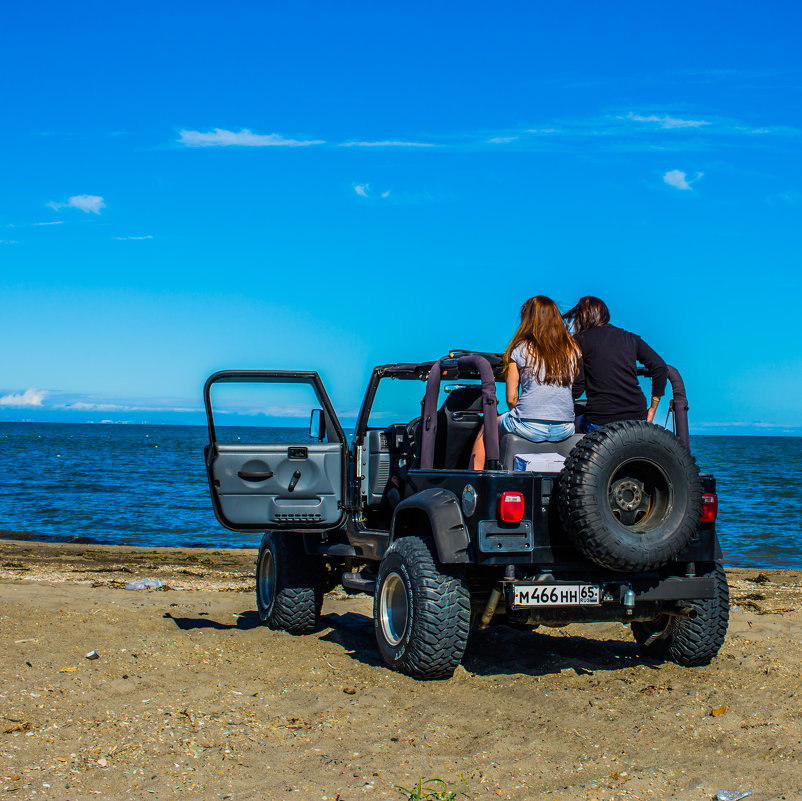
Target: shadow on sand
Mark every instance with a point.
(500, 650)
(245, 621)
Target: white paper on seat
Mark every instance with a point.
(539, 462)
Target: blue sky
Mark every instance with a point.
(188, 187)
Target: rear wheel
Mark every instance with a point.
(687, 642)
(421, 611)
(630, 496)
(289, 584)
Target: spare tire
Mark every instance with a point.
(630, 496)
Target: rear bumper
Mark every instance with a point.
(624, 599)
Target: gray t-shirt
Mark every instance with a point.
(539, 401)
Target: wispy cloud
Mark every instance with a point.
(9, 242)
(501, 140)
(666, 121)
(126, 238)
(30, 399)
(54, 222)
(219, 137)
(91, 406)
(679, 179)
(388, 143)
(90, 204)
(364, 190)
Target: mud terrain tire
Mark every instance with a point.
(630, 496)
(689, 643)
(421, 611)
(289, 584)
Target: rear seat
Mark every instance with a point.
(511, 446)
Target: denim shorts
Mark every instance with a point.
(535, 430)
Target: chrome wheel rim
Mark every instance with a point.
(393, 609)
(267, 578)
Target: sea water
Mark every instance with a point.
(147, 485)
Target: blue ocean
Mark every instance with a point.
(146, 485)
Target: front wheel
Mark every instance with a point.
(289, 584)
(421, 611)
(687, 642)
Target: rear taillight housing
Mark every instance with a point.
(709, 507)
(511, 507)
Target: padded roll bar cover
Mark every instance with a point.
(489, 405)
(442, 509)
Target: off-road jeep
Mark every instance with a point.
(623, 531)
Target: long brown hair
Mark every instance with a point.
(589, 312)
(550, 350)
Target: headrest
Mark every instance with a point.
(464, 399)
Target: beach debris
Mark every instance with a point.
(733, 795)
(93, 655)
(721, 710)
(144, 584)
(68, 669)
(102, 762)
(349, 690)
(20, 725)
(760, 578)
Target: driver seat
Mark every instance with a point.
(459, 419)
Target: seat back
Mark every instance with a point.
(459, 420)
(512, 445)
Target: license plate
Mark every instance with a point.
(556, 595)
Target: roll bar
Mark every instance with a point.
(450, 365)
(679, 403)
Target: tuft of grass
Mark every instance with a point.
(432, 790)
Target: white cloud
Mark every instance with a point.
(501, 140)
(364, 190)
(387, 143)
(667, 122)
(86, 203)
(9, 242)
(679, 179)
(86, 406)
(29, 399)
(219, 137)
(125, 238)
(56, 222)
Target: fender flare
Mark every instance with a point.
(444, 515)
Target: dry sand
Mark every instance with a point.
(192, 698)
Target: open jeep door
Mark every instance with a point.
(266, 476)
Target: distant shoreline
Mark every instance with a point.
(349, 425)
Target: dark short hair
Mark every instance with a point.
(589, 312)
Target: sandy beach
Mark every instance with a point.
(191, 697)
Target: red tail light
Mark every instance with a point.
(511, 507)
(709, 507)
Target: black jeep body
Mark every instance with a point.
(624, 530)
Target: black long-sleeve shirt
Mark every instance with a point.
(608, 374)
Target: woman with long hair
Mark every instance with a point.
(608, 374)
(542, 360)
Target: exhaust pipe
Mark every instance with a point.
(490, 608)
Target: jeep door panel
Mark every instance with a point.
(265, 485)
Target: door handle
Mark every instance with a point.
(294, 480)
(248, 475)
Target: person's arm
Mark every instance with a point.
(578, 387)
(658, 370)
(513, 379)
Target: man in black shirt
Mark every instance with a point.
(608, 375)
